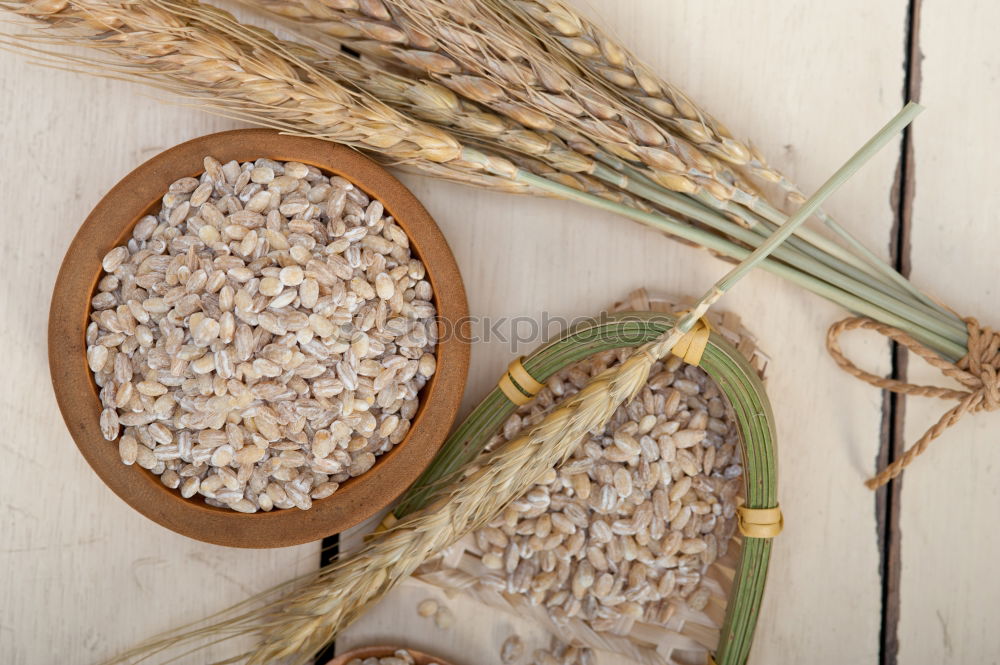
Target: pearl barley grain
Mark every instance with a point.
(427, 608)
(384, 286)
(291, 276)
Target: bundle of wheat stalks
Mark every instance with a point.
(521, 96)
(515, 95)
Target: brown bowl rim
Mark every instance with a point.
(382, 651)
(109, 224)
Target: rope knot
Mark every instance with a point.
(983, 365)
(978, 372)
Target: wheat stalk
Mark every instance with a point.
(435, 103)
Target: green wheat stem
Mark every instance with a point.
(869, 270)
(794, 255)
(812, 204)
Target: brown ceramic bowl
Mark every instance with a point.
(384, 652)
(111, 222)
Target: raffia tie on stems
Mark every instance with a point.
(978, 371)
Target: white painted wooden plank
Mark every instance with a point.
(949, 587)
(779, 74)
(82, 575)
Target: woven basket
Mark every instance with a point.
(723, 631)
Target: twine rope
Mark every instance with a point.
(977, 371)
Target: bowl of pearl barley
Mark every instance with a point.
(256, 339)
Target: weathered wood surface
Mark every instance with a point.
(950, 591)
(84, 576)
